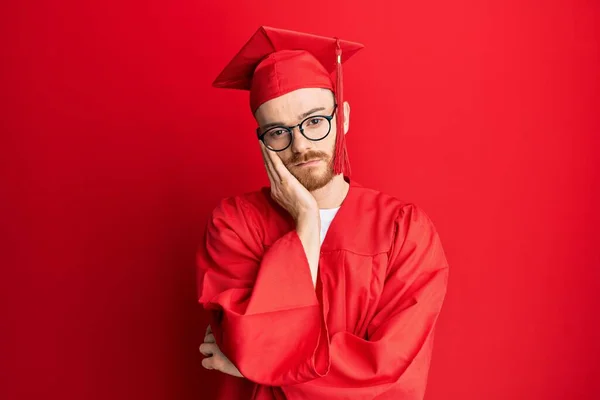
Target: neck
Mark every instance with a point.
(333, 194)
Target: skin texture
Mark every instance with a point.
(288, 110)
(300, 189)
(215, 359)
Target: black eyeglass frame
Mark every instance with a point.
(290, 129)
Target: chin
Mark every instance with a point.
(314, 180)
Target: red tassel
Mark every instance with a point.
(341, 163)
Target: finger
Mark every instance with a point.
(221, 363)
(210, 338)
(208, 330)
(208, 363)
(218, 362)
(228, 368)
(280, 169)
(271, 171)
(208, 349)
(273, 177)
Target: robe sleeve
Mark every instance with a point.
(397, 349)
(265, 313)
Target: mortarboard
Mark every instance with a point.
(277, 61)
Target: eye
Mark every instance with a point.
(314, 121)
(276, 133)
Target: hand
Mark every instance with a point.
(215, 358)
(286, 189)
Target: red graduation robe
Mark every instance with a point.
(367, 330)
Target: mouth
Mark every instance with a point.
(308, 163)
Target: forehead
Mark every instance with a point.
(288, 107)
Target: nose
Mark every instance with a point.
(300, 144)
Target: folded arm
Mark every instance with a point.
(397, 349)
(265, 314)
(271, 326)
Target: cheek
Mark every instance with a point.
(328, 144)
(285, 155)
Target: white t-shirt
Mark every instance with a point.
(327, 216)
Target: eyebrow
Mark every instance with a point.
(302, 116)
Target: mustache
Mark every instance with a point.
(311, 155)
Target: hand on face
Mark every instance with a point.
(286, 189)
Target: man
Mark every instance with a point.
(318, 288)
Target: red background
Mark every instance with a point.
(115, 148)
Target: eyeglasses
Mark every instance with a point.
(314, 128)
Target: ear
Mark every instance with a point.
(346, 117)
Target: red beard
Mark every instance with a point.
(312, 178)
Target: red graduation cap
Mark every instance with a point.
(278, 61)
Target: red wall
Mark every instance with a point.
(114, 148)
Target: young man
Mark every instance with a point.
(318, 288)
